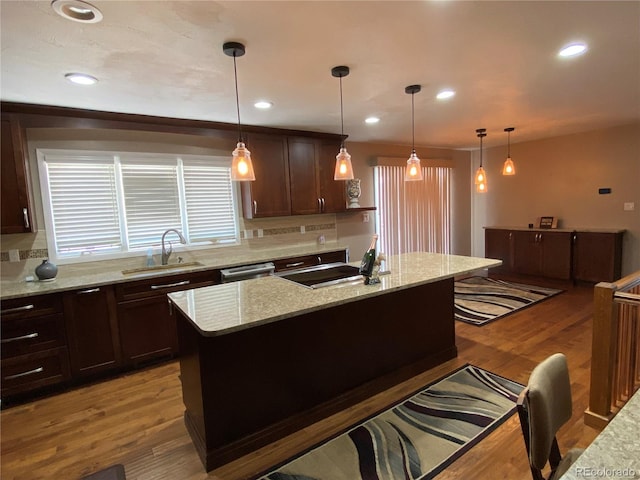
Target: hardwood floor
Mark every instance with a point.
(137, 419)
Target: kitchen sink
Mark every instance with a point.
(161, 268)
(322, 275)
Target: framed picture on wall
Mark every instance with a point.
(547, 222)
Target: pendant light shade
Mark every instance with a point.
(413, 171)
(481, 176)
(241, 166)
(344, 169)
(509, 168)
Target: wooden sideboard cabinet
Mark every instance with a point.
(34, 344)
(92, 330)
(15, 203)
(597, 256)
(147, 328)
(577, 255)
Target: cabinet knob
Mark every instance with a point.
(322, 209)
(255, 207)
(319, 204)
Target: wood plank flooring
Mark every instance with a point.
(137, 419)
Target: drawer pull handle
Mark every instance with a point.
(25, 214)
(90, 290)
(295, 264)
(255, 207)
(19, 309)
(24, 374)
(22, 337)
(169, 285)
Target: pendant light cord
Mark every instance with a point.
(341, 118)
(509, 144)
(413, 127)
(235, 74)
(480, 149)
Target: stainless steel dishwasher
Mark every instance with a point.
(235, 274)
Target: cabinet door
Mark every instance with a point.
(556, 254)
(303, 175)
(332, 192)
(526, 253)
(147, 330)
(16, 216)
(92, 329)
(597, 256)
(268, 195)
(497, 244)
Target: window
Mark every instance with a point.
(412, 216)
(113, 204)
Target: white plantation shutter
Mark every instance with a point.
(151, 200)
(210, 201)
(82, 198)
(109, 204)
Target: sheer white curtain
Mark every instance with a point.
(412, 216)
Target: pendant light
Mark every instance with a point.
(241, 166)
(413, 171)
(508, 168)
(344, 169)
(481, 176)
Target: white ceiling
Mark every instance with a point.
(165, 58)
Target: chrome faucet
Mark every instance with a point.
(167, 253)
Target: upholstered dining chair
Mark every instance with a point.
(543, 407)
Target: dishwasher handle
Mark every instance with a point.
(248, 271)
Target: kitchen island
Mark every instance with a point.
(265, 357)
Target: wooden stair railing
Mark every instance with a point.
(615, 352)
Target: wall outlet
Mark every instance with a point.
(14, 255)
(248, 234)
(365, 217)
(629, 206)
(302, 229)
(260, 233)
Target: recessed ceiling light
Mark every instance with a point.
(573, 50)
(81, 78)
(371, 120)
(77, 10)
(444, 94)
(262, 104)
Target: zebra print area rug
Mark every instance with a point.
(480, 300)
(416, 438)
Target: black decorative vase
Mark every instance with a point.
(46, 271)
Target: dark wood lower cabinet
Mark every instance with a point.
(147, 330)
(563, 255)
(92, 330)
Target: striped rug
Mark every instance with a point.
(480, 300)
(414, 439)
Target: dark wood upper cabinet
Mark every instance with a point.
(268, 195)
(92, 330)
(15, 206)
(303, 176)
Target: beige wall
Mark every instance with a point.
(357, 234)
(560, 177)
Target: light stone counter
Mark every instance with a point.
(615, 452)
(222, 309)
(94, 274)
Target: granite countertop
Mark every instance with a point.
(615, 452)
(586, 230)
(226, 308)
(94, 274)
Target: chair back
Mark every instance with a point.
(544, 406)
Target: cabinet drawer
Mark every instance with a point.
(35, 370)
(161, 285)
(31, 334)
(309, 260)
(28, 307)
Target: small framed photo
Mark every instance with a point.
(548, 222)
